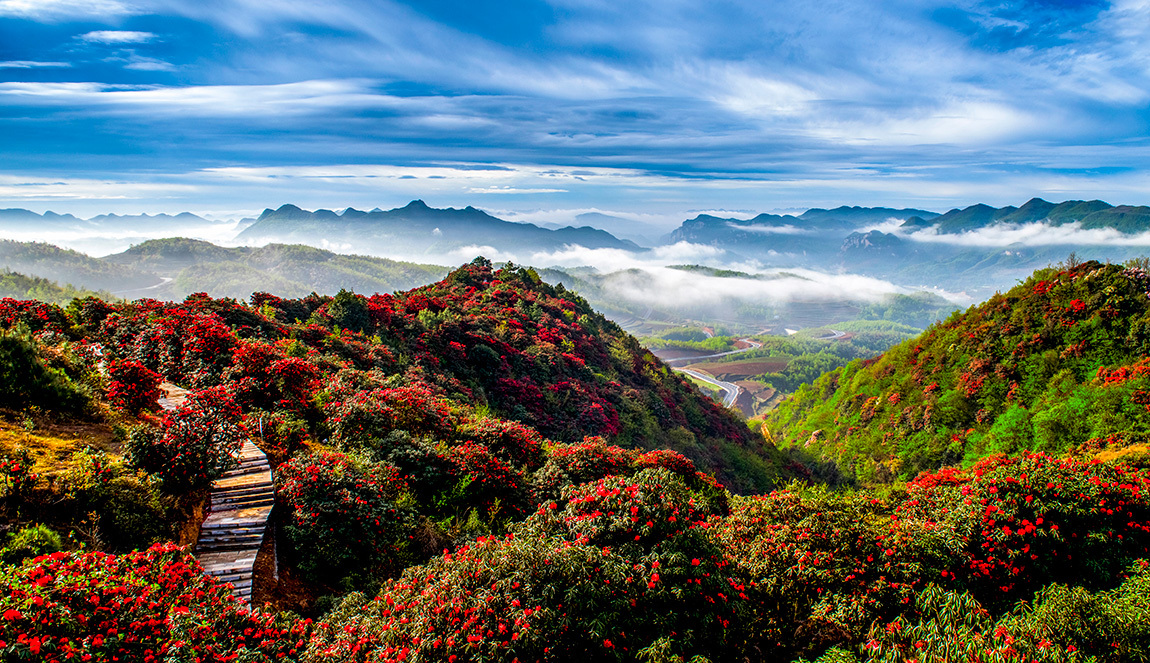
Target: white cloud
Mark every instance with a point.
(758, 96)
(785, 229)
(206, 100)
(1028, 234)
(967, 122)
(116, 37)
(25, 189)
(53, 10)
(508, 189)
(139, 63)
(32, 64)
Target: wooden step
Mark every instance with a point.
(228, 548)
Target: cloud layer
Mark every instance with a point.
(740, 104)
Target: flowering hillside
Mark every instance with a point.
(485, 470)
(1058, 363)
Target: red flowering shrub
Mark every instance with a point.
(520, 444)
(590, 460)
(250, 374)
(343, 516)
(194, 445)
(819, 563)
(148, 606)
(133, 387)
(366, 417)
(667, 459)
(1034, 519)
(486, 481)
(35, 315)
(16, 475)
(278, 434)
(159, 345)
(207, 349)
(296, 381)
(571, 582)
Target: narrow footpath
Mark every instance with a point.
(231, 535)
(241, 501)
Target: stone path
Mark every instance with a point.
(241, 501)
(173, 396)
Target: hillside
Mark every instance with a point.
(978, 248)
(419, 230)
(18, 286)
(1054, 364)
(446, 489)
(1090, 214)
(289, 270)
(67, 266)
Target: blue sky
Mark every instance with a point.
(540, 110)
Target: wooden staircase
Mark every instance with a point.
(233, 532)
(241, 500)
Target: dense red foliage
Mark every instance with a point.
(151, 605)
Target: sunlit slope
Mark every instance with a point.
(1056, 363)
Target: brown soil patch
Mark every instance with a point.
(744, 368)
(757, 389)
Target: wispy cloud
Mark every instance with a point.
(54, 10)
(15, 188)
(512, 190)
(116, 37)
(1028, 234)
(785, 229)
(32, 64)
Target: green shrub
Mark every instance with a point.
(127, 508)
(26, 381)
(30, 542)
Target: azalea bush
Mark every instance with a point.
(1033, 519)
(133, 387)
(620, 565)
(150, 605)
(345, 517)
(194, 445)
(365, 418)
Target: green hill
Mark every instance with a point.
(19, 286)
(67, 266)
(290, 270)
(1057, 362)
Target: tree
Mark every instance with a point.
(349, 311)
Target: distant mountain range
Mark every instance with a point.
(976, 247)
(419, 230)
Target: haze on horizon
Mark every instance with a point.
(543, 110)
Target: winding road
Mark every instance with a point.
(730, 389)
(165, 280)
(685, 361)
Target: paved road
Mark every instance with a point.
(730, 389)
(165, 280)
(684, 361)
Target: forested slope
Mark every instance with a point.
(1057, 362)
